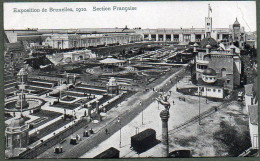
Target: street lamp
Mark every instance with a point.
(142, 112)
(120, 138)
(136, 130)
(60, 88)
(199, 103)
(206, 96)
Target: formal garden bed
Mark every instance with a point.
(48, 130)
(69, 106)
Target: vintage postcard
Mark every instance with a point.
(175, 79)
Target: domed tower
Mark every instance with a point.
(236, 31)
(17, 135)
(208, 24)
(22, 78)
(209, 75)
(112, 87)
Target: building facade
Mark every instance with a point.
(227, 65)
(67, 41)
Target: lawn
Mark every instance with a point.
(48, 130)
(50, 115)
(65, 105)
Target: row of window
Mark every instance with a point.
(214, 90)
(210, 78)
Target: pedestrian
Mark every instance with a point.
(106, 131)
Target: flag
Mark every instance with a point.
(210, 9)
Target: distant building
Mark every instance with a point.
(251, 101)
(70, 57)
(209, 85)
(88, 37)
(251, 39)
(17, 137)
(226, 64)
(14, 57)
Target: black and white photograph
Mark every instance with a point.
(144, 79)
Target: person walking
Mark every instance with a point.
(106, 131)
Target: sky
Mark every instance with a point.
(147, 15)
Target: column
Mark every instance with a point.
(180, 37)
(171, 37)
(165, 141)
(193, 38)
(220, 37)
(150, 36)
(157, 37)
(164, 37)
(202, 36)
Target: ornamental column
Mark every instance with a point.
(165, 141)
(165, 115)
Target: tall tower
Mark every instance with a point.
(208, 24)
(165, 115)
(21, 102)
(236, 31)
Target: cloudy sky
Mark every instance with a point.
(148, 15)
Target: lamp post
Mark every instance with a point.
(60, 88)
(206, 96)
(120, 138)
(142, 112)
(199, 104)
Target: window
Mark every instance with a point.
(223, 72)
(219, 91)
(214, 90)
(228, 81)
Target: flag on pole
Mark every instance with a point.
(210, 9)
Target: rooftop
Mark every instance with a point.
(218, 83)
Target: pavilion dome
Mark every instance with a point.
(208, 41)
(17, 122)
(111, 60)
(210, 72)
(22, 72)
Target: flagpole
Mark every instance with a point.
(208, 10)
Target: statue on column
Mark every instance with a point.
(163, 100)
(165, 115)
